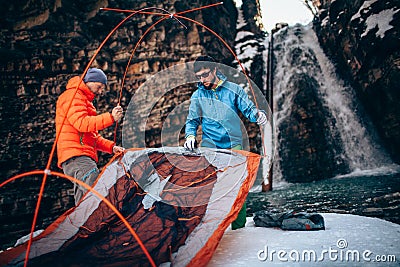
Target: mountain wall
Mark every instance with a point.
(362, 37)
(45, 42)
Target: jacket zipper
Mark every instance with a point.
(81, 139)
(215, 94)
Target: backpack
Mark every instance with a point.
(289, 220)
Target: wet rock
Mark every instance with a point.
(363, 39)
(373, 212)
(305, 136)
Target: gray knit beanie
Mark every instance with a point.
(95, 75)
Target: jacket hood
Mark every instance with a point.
(221, 76)
(76, 81)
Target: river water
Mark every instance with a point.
(374, 194)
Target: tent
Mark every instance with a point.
(179, 204)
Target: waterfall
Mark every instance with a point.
(297, 51)
(361, 147)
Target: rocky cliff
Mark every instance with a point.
(362, 37)
(45, 42)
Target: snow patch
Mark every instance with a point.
(382, 21)
(240, 22)
(325, 21)
(346, 235)
(365, 6)
(242, 34)
(245, 51)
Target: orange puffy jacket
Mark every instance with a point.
(79, 136)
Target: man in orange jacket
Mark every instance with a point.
(77, 125)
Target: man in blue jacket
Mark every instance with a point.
(215, 106)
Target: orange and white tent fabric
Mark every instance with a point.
(178, 203)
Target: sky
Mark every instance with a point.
(289, 11)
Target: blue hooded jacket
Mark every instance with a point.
(217, 113)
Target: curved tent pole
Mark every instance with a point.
(178, 15)
(47, 169)
(239, 62)
(220, 38)
(89, 188)
(127, 68)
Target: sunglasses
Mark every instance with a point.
(203, 75)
